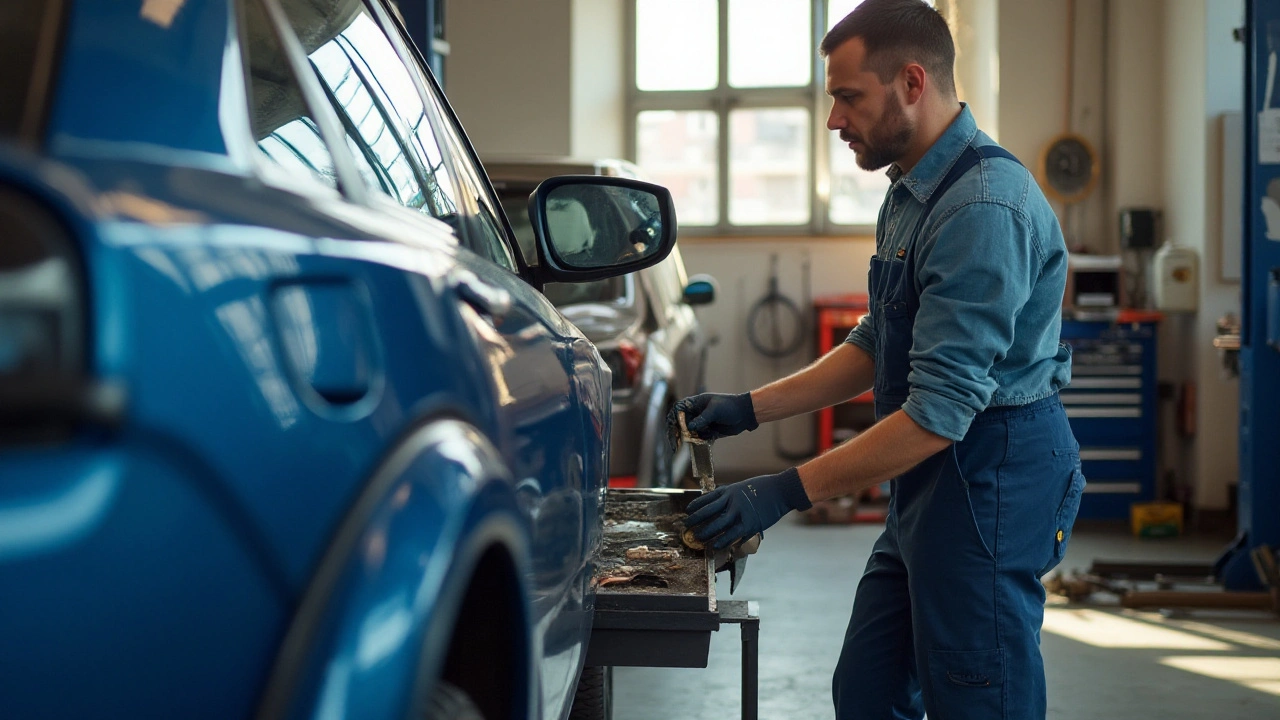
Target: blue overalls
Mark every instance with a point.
(947, 615)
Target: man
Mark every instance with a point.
(961, 347)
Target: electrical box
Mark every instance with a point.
(1175, 279)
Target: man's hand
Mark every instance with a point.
(736, 512)
(716, 415)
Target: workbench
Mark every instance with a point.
(666, 637)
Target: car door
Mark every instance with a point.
(534, 357)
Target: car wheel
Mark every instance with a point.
(594, 697)
(450, 702)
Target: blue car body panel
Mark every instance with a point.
(321, 438)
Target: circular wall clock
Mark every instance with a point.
(1069, 168)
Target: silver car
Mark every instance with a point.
(642, 323)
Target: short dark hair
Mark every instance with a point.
(895, 33)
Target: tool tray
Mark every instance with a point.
(665, 615)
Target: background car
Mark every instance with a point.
(286, 427)
(643, 323)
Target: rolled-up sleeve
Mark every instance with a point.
(975, 273)
(864, 334)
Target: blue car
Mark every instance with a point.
(287, 428)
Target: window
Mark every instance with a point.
(286, 133)
(403, 147)
(26, 58)
(379, 107)
(729, 113)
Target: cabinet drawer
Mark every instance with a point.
(1109, 470)
(1109, 431)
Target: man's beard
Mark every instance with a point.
(889, 138)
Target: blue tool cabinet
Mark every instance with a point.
(1111, 404)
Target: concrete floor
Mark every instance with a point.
(1100, 661)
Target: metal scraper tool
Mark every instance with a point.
(734, 557)
(700, 454)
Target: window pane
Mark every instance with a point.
(21, 23)
(769, 43)
(677, 44)
(769, 166)
(678, 149)
(282, 125)
(368, 126)
(379, 105)
(837, 9)
(856, 194)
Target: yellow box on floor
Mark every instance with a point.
(1156, 519)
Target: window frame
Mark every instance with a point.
(723, 99)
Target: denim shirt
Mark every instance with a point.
(990, 271)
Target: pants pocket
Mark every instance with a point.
(966, 684)
(1065, 518)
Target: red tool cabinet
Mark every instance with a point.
(836, 316)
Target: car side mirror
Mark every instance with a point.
(701, 290)
(590, 227)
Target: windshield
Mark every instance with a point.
(560, 294)
(22, 23)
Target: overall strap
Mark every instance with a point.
(970, 157)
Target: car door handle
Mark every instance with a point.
(485, 299)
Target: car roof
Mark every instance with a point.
(533, 169)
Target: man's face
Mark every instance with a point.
(868, 115)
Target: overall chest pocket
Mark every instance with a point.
(896, 320)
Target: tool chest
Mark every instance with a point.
(1111, 404)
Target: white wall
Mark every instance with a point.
(538, 78)
(508, 74)
(599, 95)
(1204, 78)
(1033, 46)
(1135, 109)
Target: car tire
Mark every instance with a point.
(594, 698)
(662, 474)
(450, 702)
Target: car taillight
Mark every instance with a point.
(43, 384)
(625, 362)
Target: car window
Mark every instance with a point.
(486, 234)
(378, 104)
(380, 153)
(22, 23)
(284, 129)
(610, 290)
(672, 278)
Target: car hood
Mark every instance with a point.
(600, 322)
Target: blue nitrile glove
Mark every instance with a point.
(717, 415)
(735, 512)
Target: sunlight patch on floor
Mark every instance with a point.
(1262, 674)
(1237, 637)
(1102, 629)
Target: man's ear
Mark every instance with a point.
(914, 77)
